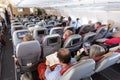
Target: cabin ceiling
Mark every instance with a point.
(66, 4)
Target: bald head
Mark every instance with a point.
(64, 55)
(67, 34)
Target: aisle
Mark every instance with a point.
(7, 61)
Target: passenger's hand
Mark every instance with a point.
(47, 63)
(78, 53)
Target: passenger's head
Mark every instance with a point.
(84, 30)
(26, 76)
(69, 18)
(61, 18)
(64, 56)
(28, 37)
(97, 25)
(90, 22)
(116, 34)
(67, 34)
(77, 19)
(63, 24)
(96, 50)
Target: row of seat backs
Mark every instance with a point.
(111, 31)
(50, 28)
(92, 36)
(103, 32)
(43, 31)
(27, 54)
(85, 68)
(104, 63)
(73, 42)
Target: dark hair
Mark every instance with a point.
(98, 23)
(63, 24)
(64, 55)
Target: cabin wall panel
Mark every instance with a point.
(25, 11)
(95, 15)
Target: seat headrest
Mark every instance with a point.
(52, 39)
(107, 61)
(73, 40)
(56, 30)
(83, 69)
(24, 48)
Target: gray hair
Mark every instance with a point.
(26, 76)
(96, 50)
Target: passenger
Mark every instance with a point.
(114, 40)
(90, 22)
(66, 34)
(84, 31)
(96, 52)
(2, 39)
(77, 25)
(28, 37)
(65, 62)
(63, 25)
(97, 26)
(26, 76)
(61, 19)
(83, 51)
(2, 20)
(69, 21)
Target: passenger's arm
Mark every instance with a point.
(47, 71)
(77, 57)
(101, 40)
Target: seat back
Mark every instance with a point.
(84, 29)
(15, 28)
(101, 32)
(14, 20)
(16, 23)
(57, 30)
(51, 43)
(39, 33)
(17, 37)
(30, 25)
(111, 31)
(89, 37)
(27, 55)
(26, 24)
(107, 61)
(42, 23)
(49, 27)
(51, 23)
(81, 70)
(69, 28)
(73, 42)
